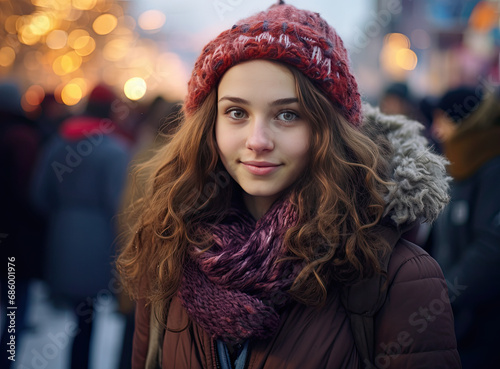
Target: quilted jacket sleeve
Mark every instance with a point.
(141, 335)
(414, 328)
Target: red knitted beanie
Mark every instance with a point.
(283, 33)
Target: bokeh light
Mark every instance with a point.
(63, 46)
(40, 24)
(484, 16)
(75, 35)
(116, 49)
(396, 57)
(406, 59)
(151, 20)
(84, 4)
(27, 36)
(397, 40)
(67, 63)
(7, 56)
(135, 88)
(10, 24)
(105, 24)
(71, 94)
(34, 95)
(84, 45)
(82, 83)
(57, 39)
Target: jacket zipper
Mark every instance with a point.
(214, 354)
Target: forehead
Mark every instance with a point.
(259, 79)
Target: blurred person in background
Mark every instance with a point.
(398, 99)
(21, 227)
(51, 116)
(466, 237)
(78, 185)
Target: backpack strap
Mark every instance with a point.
(363, 300)
(155, 343)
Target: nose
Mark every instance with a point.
(260, 137)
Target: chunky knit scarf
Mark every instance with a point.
(235, 289)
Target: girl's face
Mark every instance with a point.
(263, 141)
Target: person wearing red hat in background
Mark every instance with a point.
(78, 186)
(465, 239)
(277, 198)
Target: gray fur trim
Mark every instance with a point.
(421, 184)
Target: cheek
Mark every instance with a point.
(224, 142)
(298, 146)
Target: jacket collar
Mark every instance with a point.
(420, 185)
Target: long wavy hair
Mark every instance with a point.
(339, 201)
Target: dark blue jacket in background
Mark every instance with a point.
(79, 185)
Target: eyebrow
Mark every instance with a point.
(279, 102)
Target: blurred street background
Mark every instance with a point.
(53, 53)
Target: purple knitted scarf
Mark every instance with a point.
(234, 289)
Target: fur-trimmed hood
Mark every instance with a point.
(420, 182)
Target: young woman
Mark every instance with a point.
(276, 196)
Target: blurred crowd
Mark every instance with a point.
(64, 180)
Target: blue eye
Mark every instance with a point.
(287, 116)
(236, 114)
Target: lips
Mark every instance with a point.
(260, 168)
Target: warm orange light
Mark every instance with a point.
(40, 24)
(75, 35)
(397, 40)
(484, 16)
(7, 56)
(406, 59)
(80, 82)
(396, 57)
(67, 63)
(84, 4)
(135, 88)
(105, 24)
(84, 45)
(116, 49)
(57, 39)
(27, 36)
(10, 24)
(127, 22)
(72, 14)
(27, 107)
(71, 94)
(151, 20)
(34, 95)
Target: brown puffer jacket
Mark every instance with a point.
(413, 327)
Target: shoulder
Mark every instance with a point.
(414, 326)
(410, 262)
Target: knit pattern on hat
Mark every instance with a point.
(283, 33)
(234, 289)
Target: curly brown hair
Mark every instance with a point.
(339, 201)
